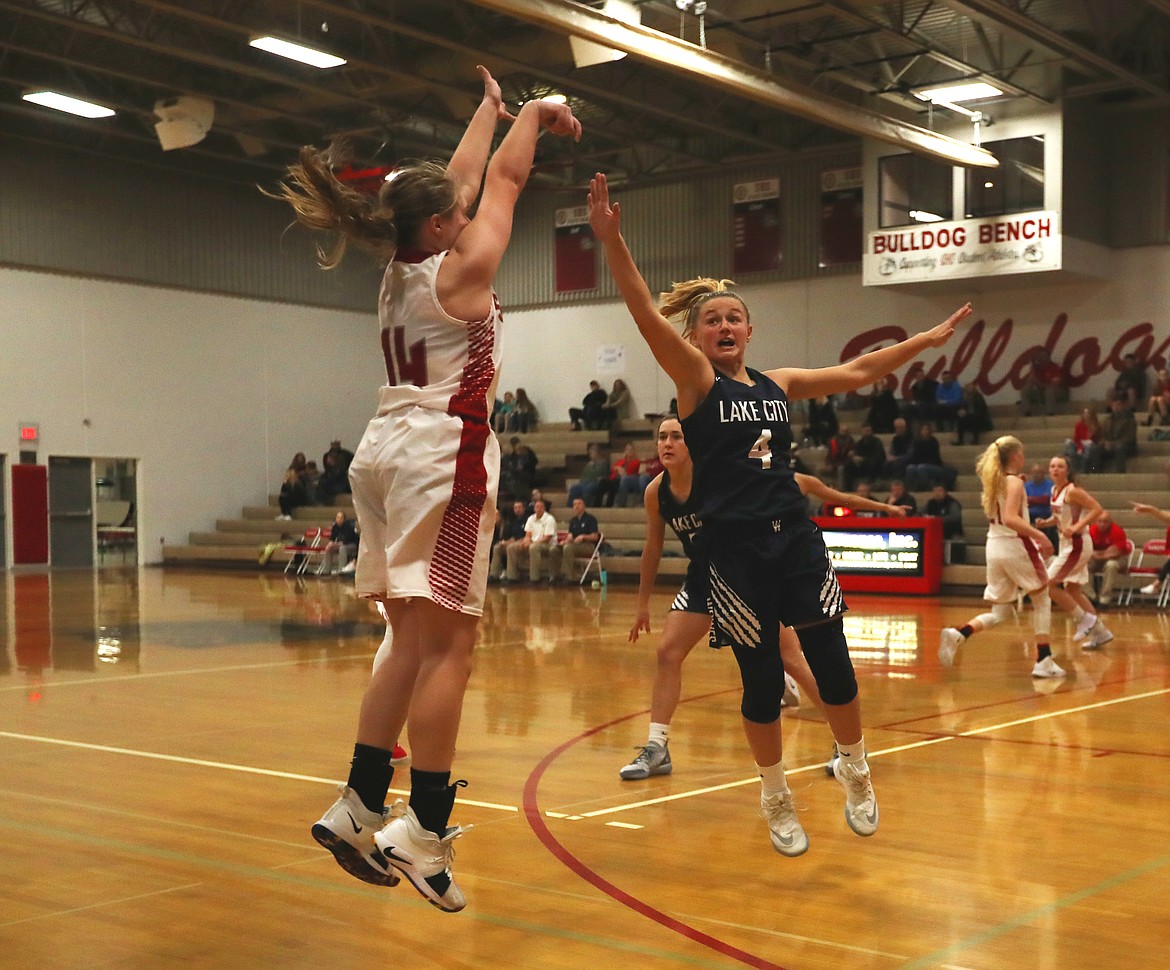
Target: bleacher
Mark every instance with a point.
(561, 452)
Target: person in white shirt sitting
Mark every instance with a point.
(539, 543)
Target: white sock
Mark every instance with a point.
(852, 754)
(773, 778)
(659, 733)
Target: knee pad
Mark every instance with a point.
(762, 671)
(1042, 613)
(827, 653)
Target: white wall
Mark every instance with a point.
(211, 394)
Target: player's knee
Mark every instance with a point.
(760, 705)
(827, 654)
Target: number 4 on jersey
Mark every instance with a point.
(761, 450)
(403, 367)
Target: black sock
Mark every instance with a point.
(1042, 651)
(432, 796)
(369, 775)
(966, 631)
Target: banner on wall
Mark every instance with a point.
(755, 216)
(611, 359)
(1026, 242)
(576, 262)
(842, 230)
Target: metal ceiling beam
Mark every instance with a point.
(722, 72)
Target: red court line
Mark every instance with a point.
(540, 829)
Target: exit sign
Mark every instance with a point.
(29, 433)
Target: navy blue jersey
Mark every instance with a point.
(682, 517)
(740, 440)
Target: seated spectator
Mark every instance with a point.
(1130, 385)
(538, 545)
(617, 404)
(333, 481)
(948, 398)
(942, 504)
(589, 413)
(595, 472)
(865, 490)
(899, 496)
(883, 408)
(312, 478)
(899, 449)
(342, 456)
(1038, 488)
(342, 546)
(294, 491)
(632, 487)
(1162, 516)
(837, 456)
(517, 470)
(628, 464)
(1044, 386)
(502, 411)
(1118, 442)
(973, 416)
(867, 460)
(509, 530)
(536, 495)
(580, 543)
(924, 464)
(1110, 553)
(523, 416)
(1158, 405)
(923, 394)
(1086, 433)
(822, 422)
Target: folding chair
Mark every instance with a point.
(594, 559)
(311, 546)
(1139, 570)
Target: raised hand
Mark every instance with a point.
(604, 219)
(492, 94)
(937, 336)
(559, 119)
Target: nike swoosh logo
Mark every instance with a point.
(394, 855)
(357, 829)
(786, 840)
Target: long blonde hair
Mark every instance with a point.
(688, 298)
(991, 467)
(377, 224)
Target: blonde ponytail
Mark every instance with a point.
(687, 298)
(991, 467)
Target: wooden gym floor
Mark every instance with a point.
(168, 737)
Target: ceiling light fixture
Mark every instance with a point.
(954, 93)
(296, 52)
(63, 102)
(919, 215)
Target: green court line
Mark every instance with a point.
(1032, 916)
(403, 896)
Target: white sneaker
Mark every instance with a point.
(791, 696)
(348, 568)
(1098, 637)
(949, 642)
(347, 830)
(861, 809)
(653, 759)
(284, 518)
(831, 764)
(1150, 590)
(1084, 625)
(423, 857)
(788, 837)
(1047, 668)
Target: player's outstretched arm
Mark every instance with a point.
(811, 485)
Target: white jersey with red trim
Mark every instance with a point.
(433, 359)
(1065, 513)
(996, 527)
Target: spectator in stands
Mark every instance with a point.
(883, 408)
(973, 416)
(536, 495)
(312, 478)
(837, 456)
(865, 491)
(1044, 385)
(1164, 517)
(1086, 433)
(523, 416)
(1038, 488)
(945, 506)
(1110, 553)
(632, 487)
(866, 461)
(334, 480)
(595, 472)
(899, 496)
(1159, 404)
(627, 464)
(538, 545)
(617, 404)
(580, 543)
(1118, 438)
(923, 394)
(589, 413)
(924, 464)
(294, 491)
(342, 545)
(502, 412)
(899, 449)
(822, 422)
(509, 531)
(948, 398)
(1130, 385)
(342, 456)
(517, 470)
